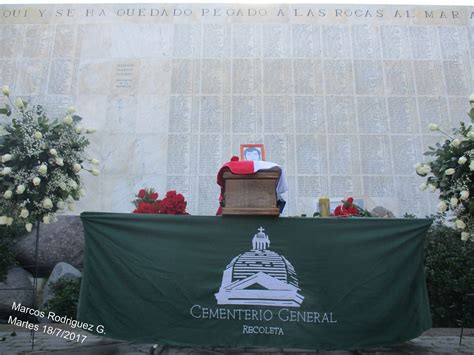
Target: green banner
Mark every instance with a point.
(320, 283)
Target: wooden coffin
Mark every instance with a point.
(251, 194)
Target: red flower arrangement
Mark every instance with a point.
(349, 208)
(147, 202)
(346, 209)
(173, 203)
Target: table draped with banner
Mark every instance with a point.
(320, 283)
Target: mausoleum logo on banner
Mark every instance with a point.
(260, 277)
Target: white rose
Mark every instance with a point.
(73, 184)
(38, 135)
(471, 165)
(464, 195)
(462, 160)
(453, 201)
(455, 142)
(79, 129)
(449, 171)
(433, 127)
(442, 207)
(422, 169)
(423, 186)
(95, 172)
(460, 224)
(6, 157)
(431, 187)
(6, 171)
(71, 110)
(61, 204)
(28, 227)
(19, 103)
(426, 169)
(36, 181)
(82, 192)
(77, 167)
(47, 203)
(465, 236)
(24, 213)
(46, 219)
(20, 189)
(8, 194)
(3, 220)
(68, 120)
(95, 162)
(9, 221)
(90, 130)
(43, 169)
(6, 90)
(470, 134)
(70, 206)
(59, 161)
(53, 152)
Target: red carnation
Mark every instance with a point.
(165, 206)
(142, 208)
(153, 195)
(171, 194)
(141, 193)
(234, 158)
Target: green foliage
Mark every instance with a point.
(449, 266)
(363, 212)
(66, 297)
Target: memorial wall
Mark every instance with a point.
(340, 95)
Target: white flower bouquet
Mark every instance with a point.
(40, 163)
(452, 173)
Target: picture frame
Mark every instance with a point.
(252, 152)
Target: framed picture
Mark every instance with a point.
(252, 152)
